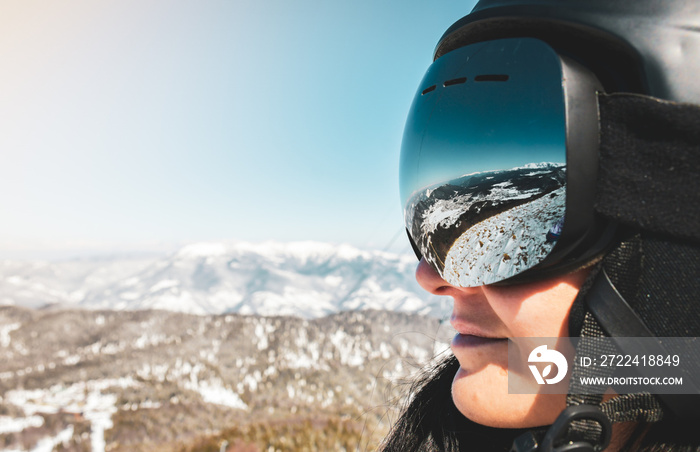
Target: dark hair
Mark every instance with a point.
(430, 422)
(672, 435)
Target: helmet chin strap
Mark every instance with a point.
(586, 424)
(558, 439)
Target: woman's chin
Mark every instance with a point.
(482, 396)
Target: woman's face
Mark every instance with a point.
(485, 317)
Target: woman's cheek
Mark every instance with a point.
(483, 398)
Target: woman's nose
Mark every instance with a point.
(430, 280)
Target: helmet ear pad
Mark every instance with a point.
(658, 277)
(649, 288)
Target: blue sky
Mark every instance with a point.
(128, 125)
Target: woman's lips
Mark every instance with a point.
(470, 335)
(467, 328)
(470, 341)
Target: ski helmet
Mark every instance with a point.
(615, 175)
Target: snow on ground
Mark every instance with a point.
(5, 331)
(211, 391)
(98, 410)
(349, 354)
(48, 444)
(214, 392)
(87, 398)
(11, 425)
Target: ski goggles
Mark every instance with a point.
(498, 163)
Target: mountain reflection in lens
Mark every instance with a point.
(485, 227)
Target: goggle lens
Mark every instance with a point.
(483, 161)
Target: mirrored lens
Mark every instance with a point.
(483, 175)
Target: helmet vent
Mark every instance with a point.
(460, 80)
(427, 90)
(455, 81)
(491, 78)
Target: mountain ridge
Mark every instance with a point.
(305, 279)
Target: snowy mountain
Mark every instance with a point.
(296, 343)
(305, 279)
(166, 381)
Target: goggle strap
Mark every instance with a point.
(649, 170)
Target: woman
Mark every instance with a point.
(550, 180)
